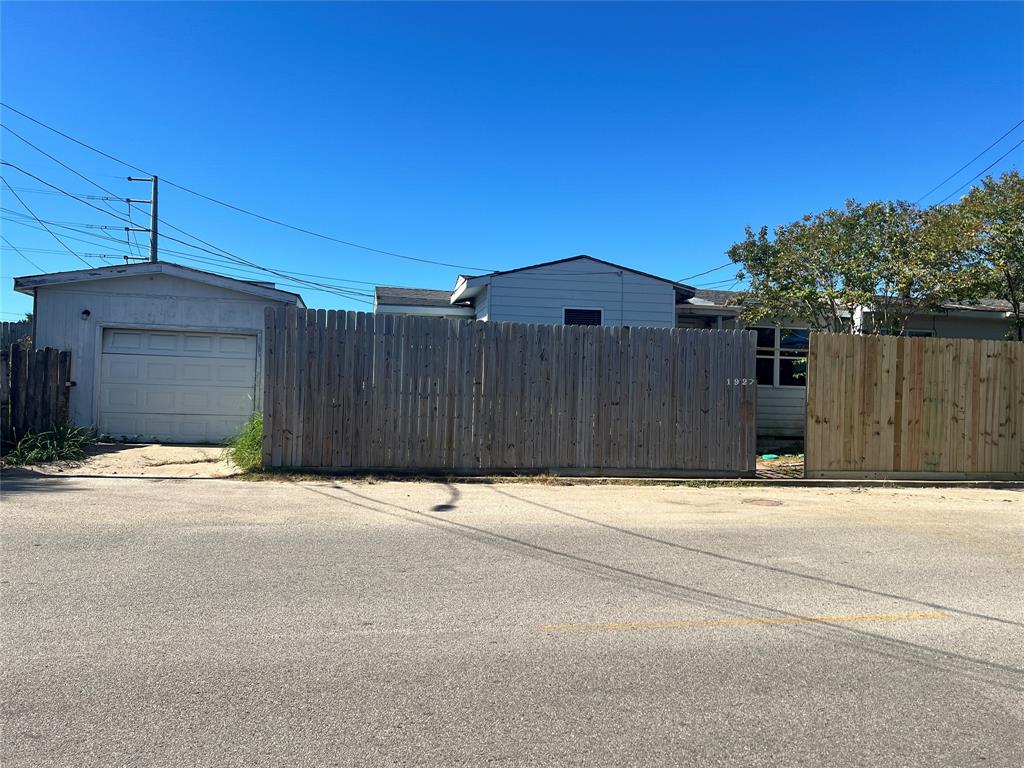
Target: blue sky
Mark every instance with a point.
(497, 135)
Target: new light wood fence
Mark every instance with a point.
(387, 392)
(34, 390)
(909, 407)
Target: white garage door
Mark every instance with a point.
(176, 387)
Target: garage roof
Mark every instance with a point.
(29, 283)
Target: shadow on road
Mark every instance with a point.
(978, 670)
(454, 494)
(755, 564)
(18, 480)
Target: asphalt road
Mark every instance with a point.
(227, 623)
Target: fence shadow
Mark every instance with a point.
(17, 480)
(761, 566)
(978, 670)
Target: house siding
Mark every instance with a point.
(780, 413)
(961, 326)
(540, 294)
(156, 301)
(483, 305)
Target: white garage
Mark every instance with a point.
(159, 352)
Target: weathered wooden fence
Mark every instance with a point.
(34, 390)
(387, 392)
(901, 407)
(14, 333)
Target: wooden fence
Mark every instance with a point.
(34, 390)
(388, 392)
(14, 333)
(907, 407)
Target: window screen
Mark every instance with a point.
(582, 316)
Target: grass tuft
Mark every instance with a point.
(64, 442)
(245, 450)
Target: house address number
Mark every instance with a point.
(740, 382)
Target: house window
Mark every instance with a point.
(572, 316)
(782, 357)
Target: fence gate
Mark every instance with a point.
(390, 392)
(906, 407)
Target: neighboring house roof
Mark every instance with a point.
(412, 297)
(717, 298)
(709, 298)
(29, 283)
(467, 285)
(577, 258)
(984, 305)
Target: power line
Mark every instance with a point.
(25, 206)
(83, 195)
(62, 191)
(72, 226)
(218, 252)
(102, 234)
(982, 173)
(962, 167)
(18, 251)
(239, 209)
(61, 163)
(220, 263)
(715, 284)
(707, 272)
(341, 291)
(69, 237)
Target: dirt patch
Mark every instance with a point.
(119, 460)
(762, 502)
(787, 467)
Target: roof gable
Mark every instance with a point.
(585, 257)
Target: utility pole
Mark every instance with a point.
(153, 220)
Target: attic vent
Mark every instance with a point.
(581, 316)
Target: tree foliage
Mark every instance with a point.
(995, 214)
(891, 258)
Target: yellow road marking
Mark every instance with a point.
(765, 621)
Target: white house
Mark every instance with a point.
(159, 351)
(579, 290)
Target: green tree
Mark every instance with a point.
(891, 258)
(995, 216)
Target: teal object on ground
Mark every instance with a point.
(769, 456)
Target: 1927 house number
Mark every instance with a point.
(740, 382)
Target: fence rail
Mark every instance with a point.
(903, 407)
(34, 390)
(355, 390)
